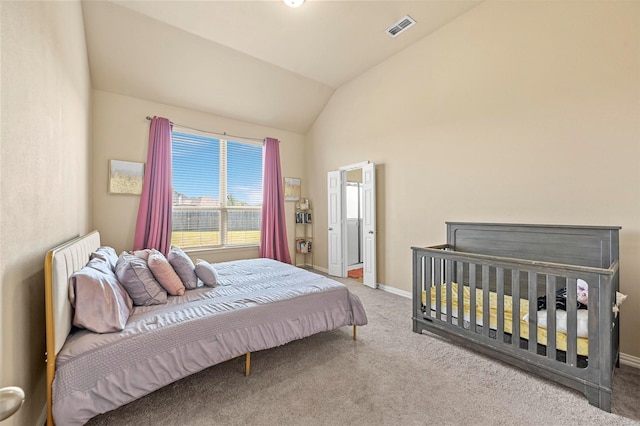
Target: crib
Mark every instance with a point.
(484, 287)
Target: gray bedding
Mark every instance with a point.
(258, 304)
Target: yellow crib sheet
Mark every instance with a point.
(561, 338)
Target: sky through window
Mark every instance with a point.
(196, 169)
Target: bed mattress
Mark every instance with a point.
(258, 304)
(561, 338)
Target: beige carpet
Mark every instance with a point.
(389, 376)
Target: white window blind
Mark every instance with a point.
(217, 191)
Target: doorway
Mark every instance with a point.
(351, 220)
(353, 205)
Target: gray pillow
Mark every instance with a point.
(100, 303)
(136, 277)
(100, 265)
(207, 273)
(184, 267)
(108, 254)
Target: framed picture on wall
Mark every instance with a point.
(125, 177)
(291, 189)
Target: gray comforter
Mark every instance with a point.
(258, 304)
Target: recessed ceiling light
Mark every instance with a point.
(293, 3)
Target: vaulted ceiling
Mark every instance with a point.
(256, 61)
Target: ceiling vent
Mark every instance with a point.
(402, 25)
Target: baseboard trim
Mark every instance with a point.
(630, 360)
(42, 420)
(323, 270)
(394, 290)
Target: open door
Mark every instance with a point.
(334, 219)
(370, 277)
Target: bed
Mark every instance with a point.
(257, 304)
(466, 290)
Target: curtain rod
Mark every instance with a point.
(212, 133)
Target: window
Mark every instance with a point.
(217, 191)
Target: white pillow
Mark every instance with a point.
(561, 321)
(207, 273)
(583, 317)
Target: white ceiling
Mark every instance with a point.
(256, 61)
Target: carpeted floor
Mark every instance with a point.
(389, 376)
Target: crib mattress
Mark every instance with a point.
(561, 338)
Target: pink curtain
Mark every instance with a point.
(273, 242)
(153, 227)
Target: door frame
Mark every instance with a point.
(343, 225)
(369, 231)
(335, 239)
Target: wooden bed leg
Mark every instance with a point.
(247, 364)
(354, 332)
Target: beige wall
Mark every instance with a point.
(121, 132)
(44, 176)
(524, 112)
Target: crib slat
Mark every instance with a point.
(515, 299)
(472, 297)
(427, 282)
(448, 275)
(533, 309)
(551, 317)
(418, 274)
(500, 296)
(460, 281)
(438, 281)
(486, 321)
(572, 322)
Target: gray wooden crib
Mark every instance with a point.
(512, 269)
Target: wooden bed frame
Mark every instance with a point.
(60, 263)
(522, 260)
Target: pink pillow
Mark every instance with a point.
(142, 254)
(165, 274)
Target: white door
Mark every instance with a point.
(334, 219)
(369, 225)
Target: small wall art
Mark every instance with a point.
(125, 177)
(291, 189)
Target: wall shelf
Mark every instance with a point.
(304, 238)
